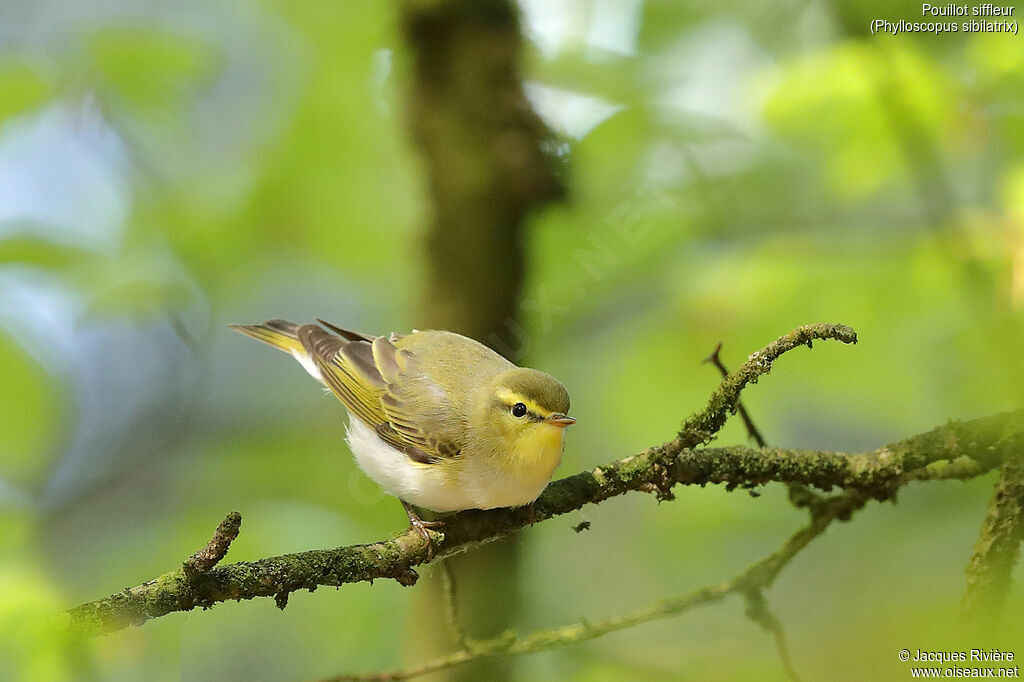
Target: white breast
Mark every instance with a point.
(424, 485)
(479, 484)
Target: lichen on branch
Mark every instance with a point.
(216, 549)
(954, 450)
(750, 584)
(997, 549)
(702, 427)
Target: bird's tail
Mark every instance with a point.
(280, 334)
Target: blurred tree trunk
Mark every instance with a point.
(484, 154)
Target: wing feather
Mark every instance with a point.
(385, 388)
(384, 359)
(360, 394)
(345, 333)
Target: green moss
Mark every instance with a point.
(957, 450)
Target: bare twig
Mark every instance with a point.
(511, 645)
(702, 427)
(451, 604)
(752, 430)
(799, 494)
(757, 604)
(759, 612)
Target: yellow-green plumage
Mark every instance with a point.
(435, 416)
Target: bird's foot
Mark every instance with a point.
(421, 526)
(531, 514)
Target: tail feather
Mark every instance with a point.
(280, 334)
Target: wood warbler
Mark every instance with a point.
(436, 419)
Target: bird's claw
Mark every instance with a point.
(421, 527)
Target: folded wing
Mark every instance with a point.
(384, 387)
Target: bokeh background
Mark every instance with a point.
(732, 170)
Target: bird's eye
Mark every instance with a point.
(519, 410)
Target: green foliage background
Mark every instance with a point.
(735, 170)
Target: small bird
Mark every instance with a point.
(438, 420)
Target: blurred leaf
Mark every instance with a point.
(139, 297)
(615, 78)
(153, 69)
(998, 55)
(851, 104)
(34, 643)
(29, 417)
(23, 88)
(1013, 191)
(39, 253)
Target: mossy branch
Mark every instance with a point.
(955, 450)
(749, 584)
(702, 427)
(998, 546)
(758, 609)
(216, 549)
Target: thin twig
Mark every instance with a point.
(799, 494)
(752, 430)
(702, 427)
(511, 645)
(997, 549)
(757, 603)
(451, 603)
(756, 578)
(215, 550)
(759, 612)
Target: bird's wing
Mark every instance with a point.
(385, 388)
(347, 333)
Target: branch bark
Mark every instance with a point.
(216, 549)
(998, 546)
(750, 584)
(955, 450)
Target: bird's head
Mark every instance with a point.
(527, 409)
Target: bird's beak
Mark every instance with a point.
(559, 419)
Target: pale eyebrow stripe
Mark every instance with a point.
(510, 398)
